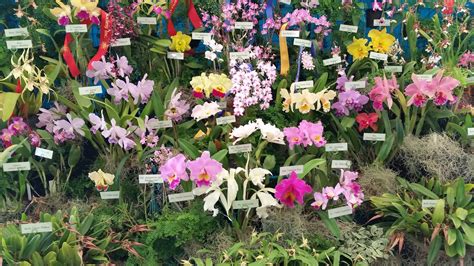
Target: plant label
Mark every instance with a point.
(76, 28)
(244, 204)
(225, 120)
(150, 179)
(240, 148)
(374, 136)
(286, 170)
(302, 42)
(162, 124)
(239, 55)
(201, 36)
(355, 84)
(338, 212)
(336, 147)
(429, 203)
(16, 32)
(222, 105)
(36, 228)
(17, 166)
(106, 195)
(393, 69)
(175, 55)
(378, 56)
(470, 131)
(470, 80)
(185, 196)
(341, 164)
(332, 61)
(40, 152)
(147, 20)
(21, 44)
(348, 28)
(90, 90)
(290, 33)
(426, 77)
(303, 84)
(286, 2)
(243, 25)
(382, 22)
(122, 42)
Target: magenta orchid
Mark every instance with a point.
(291, 189)
(204, 169)
(382, 92)
(441, 88)
(306, 134)
(174, 170)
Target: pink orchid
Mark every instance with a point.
(120, 89)
(382, 92)
(126, 143)
(17, 126)
(320, 201)
(291, 189)
(417, 90)
(142, 91)
(101, 70)
(6, 137)
(114, 133)
(204, 169)
(293, 136)
(69, 126)
(123, 68)
(443, 88)
(333, 192)
(174, 170)
(98, 122)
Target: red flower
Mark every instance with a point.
(367, 120)
(448, 7)
(18, 88)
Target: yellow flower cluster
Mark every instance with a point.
(381, 41)
(180, 42)
(306, 101)
(217, 84)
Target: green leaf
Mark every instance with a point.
(450, 196)
(269, 162)
(459, 244)
(438, 213)
(434, 248)
(422, 190)
(7, 103)
(74, 155)
(468, 231)
(347, 122)
(451, 236)
(330, 224)
(189, 149)
(220, 155)
(461, 213)
(315, 163)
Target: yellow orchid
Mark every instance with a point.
(305, 101)
(201, 86)
(324, 98)
(101, 179)
(288, 99)
(381, 41)
(61, 11)
(358, 48)
(85, 8)
(220, 84)
(180, 42)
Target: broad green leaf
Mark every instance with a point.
(220, 155)
(461, 213)
(315, 163)
(422, 190)
(7, 104)
(189, 149)
(434, 248)
(330, 224)
(438, 213)
(451, 236)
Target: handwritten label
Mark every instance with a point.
(175, 55)
(378, 56)
(16, 32)
(162, 124)
(302, 42)
(22, 44)
(341, 164)
(332, 61)
(286, 170)
(336, 146)
(286, 2)
(348, 28)
(243, 25)
(394, 69)
(355, 84)
(240, 148)
(304, 84)
(426, 77)
(338, 212)
(79, 28)
(147, 20)
(48, 154)
(181, 197)
(290, 33)
(382, 22)
(201, 35)
(225, 120)
(239, 55)
(245, 204)
(18, 166)
(150, 179)
(429, 203)
(122, 42)
(90, 90)
(110, 195)
(374, 136)
(36, 228)
(470, 131)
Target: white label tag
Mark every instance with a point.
(240, 148)
(22, 44)
(147, 20)
(162, 124)
(355, 84)
(48, 154)
(181, 197)
(429, 203)
(122, 42)
(336, 146)
(76, 28)
(303, 84)
(426, 77)
(36, 228)
(302, 42)
(374, 136)
(378, 56)
(18, 166)
(225, 120)
(201, 36)
(394, 69)
(341, 211)
(348, 28)
(290, 33)
(286, 2)
(16, 32)
(150, 179)
(174, 55)
(239, 55)
(470, 80)
(90, 90)
(332, 61)
(382, 22)
(222, 105)
(110, 195)
(243, 25)
(470, 131)
(286, 170)
(341, 164)
(244, 204)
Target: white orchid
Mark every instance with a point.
(271, 133)
(243, 132)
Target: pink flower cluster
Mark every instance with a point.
(202, 171)
(121, 21)
(123, 89)
(347, 187)
(305, 134)
(382, 92)
(299, 16)
(439, 89)
(101, 70)
(53, 120)
(467, 59)
(17, 127)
